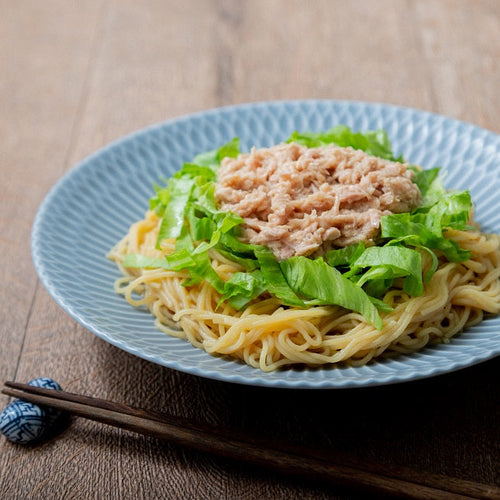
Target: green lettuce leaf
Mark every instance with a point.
(452, 210)
(390, 262)
(273, 276)
(375, 142)
(202, 270)
(141, 261)
(195, 171)
(402, 226)
(345, 256)
(173, 215)
(193, 184)
(242, 288)
(247, 263)
(427, 181)
(213, 158)
(325, 285)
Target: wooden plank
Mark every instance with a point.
(460, 42)
(40, 95)
(333, 50)
(156, 63)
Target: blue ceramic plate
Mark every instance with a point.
(92, 206)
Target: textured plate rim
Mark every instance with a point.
(260, 380)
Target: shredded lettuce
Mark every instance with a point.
(375, 142)
(135, 260)
(427, 180)
(390, 262)
(355, 277)
(323, 285)
(273, 274)
(212, 159)
(419, 231)
(242, 288)
(173, 213)
(345, 256)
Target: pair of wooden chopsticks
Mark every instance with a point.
(308, 463)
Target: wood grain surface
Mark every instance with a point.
(75, 75)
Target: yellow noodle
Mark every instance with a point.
(268, 335)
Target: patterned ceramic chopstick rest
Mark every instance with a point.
(22, 422)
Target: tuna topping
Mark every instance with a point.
(297, 200)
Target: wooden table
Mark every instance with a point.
(76, 75)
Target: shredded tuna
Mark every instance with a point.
(296, 200)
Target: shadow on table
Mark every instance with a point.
(439, 424)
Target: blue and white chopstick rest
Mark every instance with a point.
(22, 422)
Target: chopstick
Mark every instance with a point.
(281, 457)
